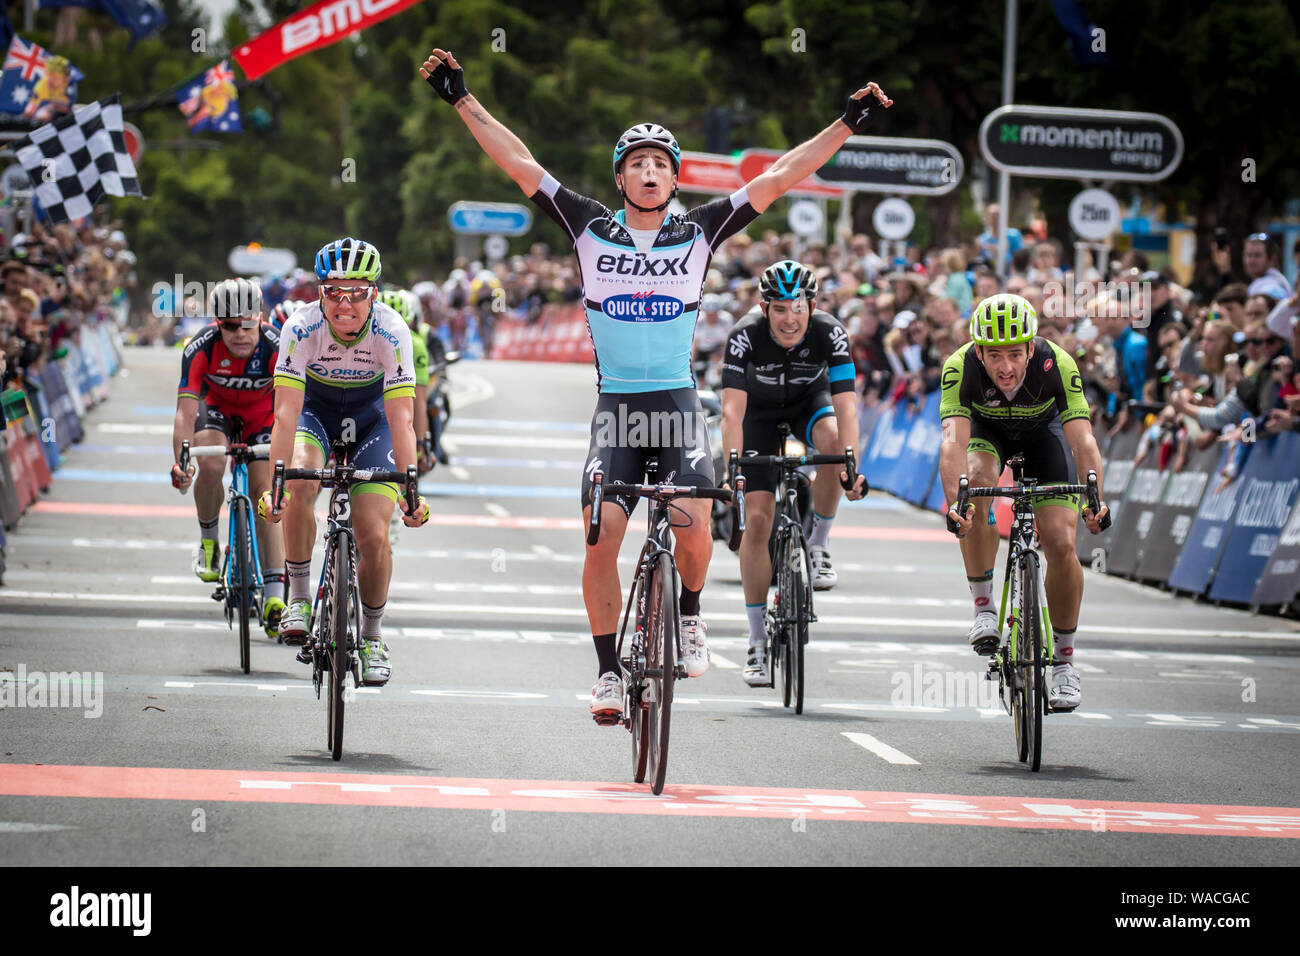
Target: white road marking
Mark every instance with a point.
(880, 749)
(15, 826)
(459, 472)
(543, 550)
(724, 663)
(492, 508)
(454, 442)
(487, 694)
(133, 428)
(889, 708)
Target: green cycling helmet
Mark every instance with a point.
(396, 299)
(1003, 319)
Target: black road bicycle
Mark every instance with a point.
(791, 612)
(652, 662)
(1020, 663)
(334, 642)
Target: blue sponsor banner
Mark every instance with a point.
(920, 452)
(886, 450)
(46, 429)
(1269, 483)
(935, 500)
(1205, 542)
(111, 359)
(65, 409)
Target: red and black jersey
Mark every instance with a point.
(237, 386)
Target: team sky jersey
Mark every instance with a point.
(236, 386)
(641, 307)
(778, 377)
(377, 366)
(1052, 390)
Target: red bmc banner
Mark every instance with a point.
(318, 26)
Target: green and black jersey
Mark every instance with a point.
(1052, 392)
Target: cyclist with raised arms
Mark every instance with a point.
(786, 362)
(642, 273)
(226, 374)
(344, 372)
(1009, 392)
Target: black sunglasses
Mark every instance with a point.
(232, 326)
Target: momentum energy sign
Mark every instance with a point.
(1061, 143)
(886, 164)
(318, 26)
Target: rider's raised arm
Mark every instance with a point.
(809, 156)
(447, 77)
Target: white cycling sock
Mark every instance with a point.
(757, 633)
(371, 617)
(981, 590)
(821, 530)
(208, 529)
(1064, 645)
(299, 573)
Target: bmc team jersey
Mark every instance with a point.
(1052, 392)
(774, 376)
(641, 307)
(234, 386)
(339, 375)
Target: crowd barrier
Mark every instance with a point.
(1185, 529)
(558, 335)
(44, 419)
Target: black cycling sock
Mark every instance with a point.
(606, 653)
(689, 605)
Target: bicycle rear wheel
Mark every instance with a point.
(1031, 652)
(1014, 673)
(662, 630)
(786, 585)
(241, 577)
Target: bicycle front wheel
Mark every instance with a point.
(1031, 653)
(662, 630)
(800, 611)
(341, 640)
(241, 576)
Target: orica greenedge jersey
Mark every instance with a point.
(377, 365)
(642, 307)
(1052, 388)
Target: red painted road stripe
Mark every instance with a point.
(562, 796)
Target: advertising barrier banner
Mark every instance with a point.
(1280, 582)
(10, 506)
(1146, 486)
(921, 452)
(1269, 483)
(1173, 519)
(1094, 549)
(1199, 558)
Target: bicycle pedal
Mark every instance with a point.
(607, 718)
(219, 594)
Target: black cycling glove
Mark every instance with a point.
(857, 111)
(448, 83)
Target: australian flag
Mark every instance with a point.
(36, 84)
(141, 17)
(211, 102)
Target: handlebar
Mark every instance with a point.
(216, 451)
(965, 493)
(599, 488)
(847, 459)
(344, 474)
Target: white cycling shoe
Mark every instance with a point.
(607, 698)
(756, 673)
(695, 652)
(1064, 695)
(984, 635)
(824, 576)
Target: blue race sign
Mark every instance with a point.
(487, 218)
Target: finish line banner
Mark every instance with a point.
(318, 26)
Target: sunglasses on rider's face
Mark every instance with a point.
(234, 325)
(336, 293)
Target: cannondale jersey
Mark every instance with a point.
(641, 307)
(378, 364)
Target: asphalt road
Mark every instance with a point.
(481, 750)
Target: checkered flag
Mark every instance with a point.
(73, 161)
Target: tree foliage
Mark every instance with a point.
(361, 145)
